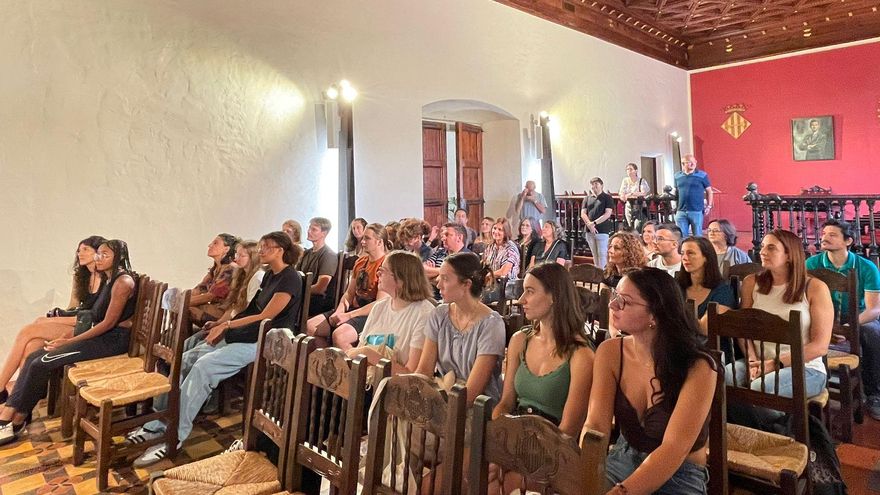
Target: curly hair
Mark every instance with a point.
(633, 254)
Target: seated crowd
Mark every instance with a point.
(419, 296)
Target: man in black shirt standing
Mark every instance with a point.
(596, 212)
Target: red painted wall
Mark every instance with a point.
(844, 83)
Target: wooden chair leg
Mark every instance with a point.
(103, 443)
(846, 403)
(788, 482)
(79, 435)
(53, 392)
(68, 406)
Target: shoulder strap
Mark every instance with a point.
(620, 371)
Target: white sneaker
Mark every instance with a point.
(142, 435)
(236, 446)
(151, 456)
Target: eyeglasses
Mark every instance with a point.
(263, 249)
(661, 238)
(713, 231)
(101, 256)
(618, 300)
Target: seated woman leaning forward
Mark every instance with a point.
(231, 344)
(395, 328)
(781, 287)
(348, 319)
(658, 384)
(58, 323)
(549, 364)
(108, 337)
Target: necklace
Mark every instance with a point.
(457, 316)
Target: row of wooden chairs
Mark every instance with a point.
(309, 403)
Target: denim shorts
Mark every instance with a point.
(623, 460)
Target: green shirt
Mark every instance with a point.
(869, 276)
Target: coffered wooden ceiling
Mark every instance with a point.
(701, 33)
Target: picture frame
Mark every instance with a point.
(812, 138)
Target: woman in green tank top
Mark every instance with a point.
(549, 363)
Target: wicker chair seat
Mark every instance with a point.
(127, 389)
(839, 358)
(102, 369)
(239, 472)
(763, 455)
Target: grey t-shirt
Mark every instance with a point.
(457, 351)
(320, 262)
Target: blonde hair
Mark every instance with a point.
(237, 298)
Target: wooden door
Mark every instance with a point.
(469, 146)
(649, 172)
(434, 172)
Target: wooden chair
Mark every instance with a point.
(143, 334)
(717, 458)
(343, 274)
(759, 461)
(409, 411)
(595, 306)
(589, 276)
(328, 416)
(97, 402)
(737, 273)
(238, 385)
(531, 446)
(270, 413)
(57, 390)
(844, 368)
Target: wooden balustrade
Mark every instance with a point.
(660, 208)
(804, 214)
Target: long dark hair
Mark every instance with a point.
(536, 231)
(231, 242)
(677, 346)
(351, 242)
(567, 315)
(292, 252)
(81, 274)
(711, 272)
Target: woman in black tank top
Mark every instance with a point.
(114, 306)
(658, 383)
(87, 284)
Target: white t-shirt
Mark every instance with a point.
(254, 283)
(658, 263)
(401, 330)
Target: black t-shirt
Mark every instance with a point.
(559, 249)
(595, 207)
(287, 281)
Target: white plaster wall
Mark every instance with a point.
(165, 122)
(501, 165)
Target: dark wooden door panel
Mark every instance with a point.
(469, 141)
(434, 172)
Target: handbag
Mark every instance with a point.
(84, 321)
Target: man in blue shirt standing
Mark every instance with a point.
(691, 184)
(837, 237)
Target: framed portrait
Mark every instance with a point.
(812, 138)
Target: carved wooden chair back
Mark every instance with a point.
(844, 293)
(410, 420)
(343, 273)
(769, 334)
(140, 320)
(595, 308)
(587, 275)
(270, 401)
(148, 321)
(717, 461)
(743, 269)
(328, 416)
(547, 460)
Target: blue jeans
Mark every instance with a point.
(814, 380)
(687, 219)
(598, 248)
(202, 368)
(623, 460)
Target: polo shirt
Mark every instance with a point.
(691, 190)
(869, 276)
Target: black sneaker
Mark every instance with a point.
(873, 406)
